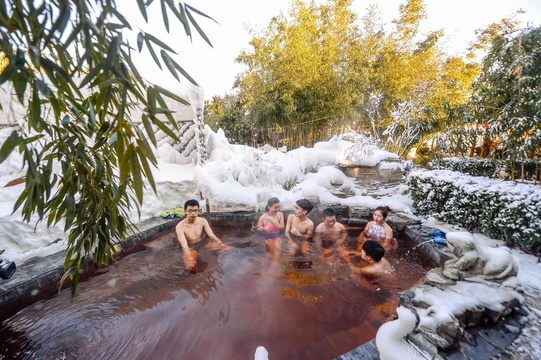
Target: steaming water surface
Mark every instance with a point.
(146, 306)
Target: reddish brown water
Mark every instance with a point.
(145, 306)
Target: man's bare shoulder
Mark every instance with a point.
(320, 227)
(340, 226)
(182, 222)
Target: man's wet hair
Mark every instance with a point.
(305, 205)
(191, 202)
(328, 212)
(373, 249)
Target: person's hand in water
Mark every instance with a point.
(292, 247)
(295, 232)
(189, 262)
(217, 246)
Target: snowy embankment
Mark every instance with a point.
(234, 178)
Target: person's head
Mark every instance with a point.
(372, 250)
(381, 213)
(329, 217)
(273, 205)
(303, 207)
(191, 208)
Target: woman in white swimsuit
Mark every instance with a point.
(379, 230)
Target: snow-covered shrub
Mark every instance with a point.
(500, 209)
(472, 166)
(528, 169)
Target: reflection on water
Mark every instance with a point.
(146, 306)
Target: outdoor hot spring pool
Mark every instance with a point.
(145, 306)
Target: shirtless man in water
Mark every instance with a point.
(330, 234)
(190, 235)
(372, 252)
(299, 228)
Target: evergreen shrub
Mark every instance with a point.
(472, 166)
(499, 209)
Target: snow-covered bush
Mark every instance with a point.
(527, 170)
(472, 166)
(500, 209)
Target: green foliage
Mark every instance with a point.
(86, 159)
(424, 156)
(227, 113)
(177, 212)
(298, 69)
(473, 166)
(317, 68)
(507, 96)
(501, 210)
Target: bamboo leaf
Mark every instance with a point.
(148, 174)
(198, 28)
(60, 23)
(164, 14)
(152, 53)
(125, 165)
(166, 129)
(70, 212)
(35, 109)
(185, 74)
(170, 63)
(148, 128)
(137, 179)
(43, 88)
(200, 13)
(143, 9)
(140, 39)
(184, 20)
(112, 52)
(17, 181)
(171, 95)
(151, 100)
(168, 114)
(8, 73)
(91, 75)
(20, 81)
(122, 19)
(158, 42)
(9, 144)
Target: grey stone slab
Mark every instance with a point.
(498, 337)
(399, 221)
(366, 351)
(478, 348)
(360, 212)
(49, 278)
(357, 222)
(20, 277)
(128, 244)
(454, 355)
(8, 296)
(57, 258)
(38, 267)
(25, 288)
(421, 235)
